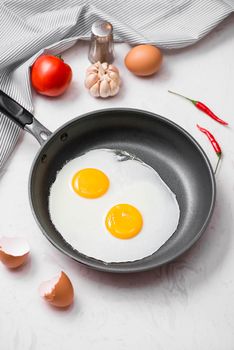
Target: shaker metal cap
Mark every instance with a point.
(102, 28)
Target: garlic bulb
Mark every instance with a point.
(102, 80)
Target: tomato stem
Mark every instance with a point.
(60, 57)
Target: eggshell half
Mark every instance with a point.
(14, 251)
(58, 291)
(144, 60)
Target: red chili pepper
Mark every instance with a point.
(202, 108)
(214, 143)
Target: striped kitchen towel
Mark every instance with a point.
(30, 27)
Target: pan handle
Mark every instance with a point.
(23, 118)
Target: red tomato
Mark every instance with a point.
(50, 76)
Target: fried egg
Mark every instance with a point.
(111, 206)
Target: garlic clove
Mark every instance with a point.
(91, 79)
(101, 70)
(105, 66)
(113, 69)
(94, 90)
(114, 87)
(91, 71)
(104, 88)
(114, 76)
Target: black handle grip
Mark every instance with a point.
(14, 111)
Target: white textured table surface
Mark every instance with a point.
(188, 304)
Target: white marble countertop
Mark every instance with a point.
(188, 304)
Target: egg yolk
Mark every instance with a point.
(90, 183)
(124, 221)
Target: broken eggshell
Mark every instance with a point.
(14, 251)
(58, 291)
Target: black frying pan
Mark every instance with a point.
(169, 149)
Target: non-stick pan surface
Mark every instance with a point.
(169, 149)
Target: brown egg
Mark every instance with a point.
(14, 251)
(58, 291)
(144, 60)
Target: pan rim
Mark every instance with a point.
(117, 267)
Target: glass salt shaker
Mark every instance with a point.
(101, 46)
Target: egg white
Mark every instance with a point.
(81, 221)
